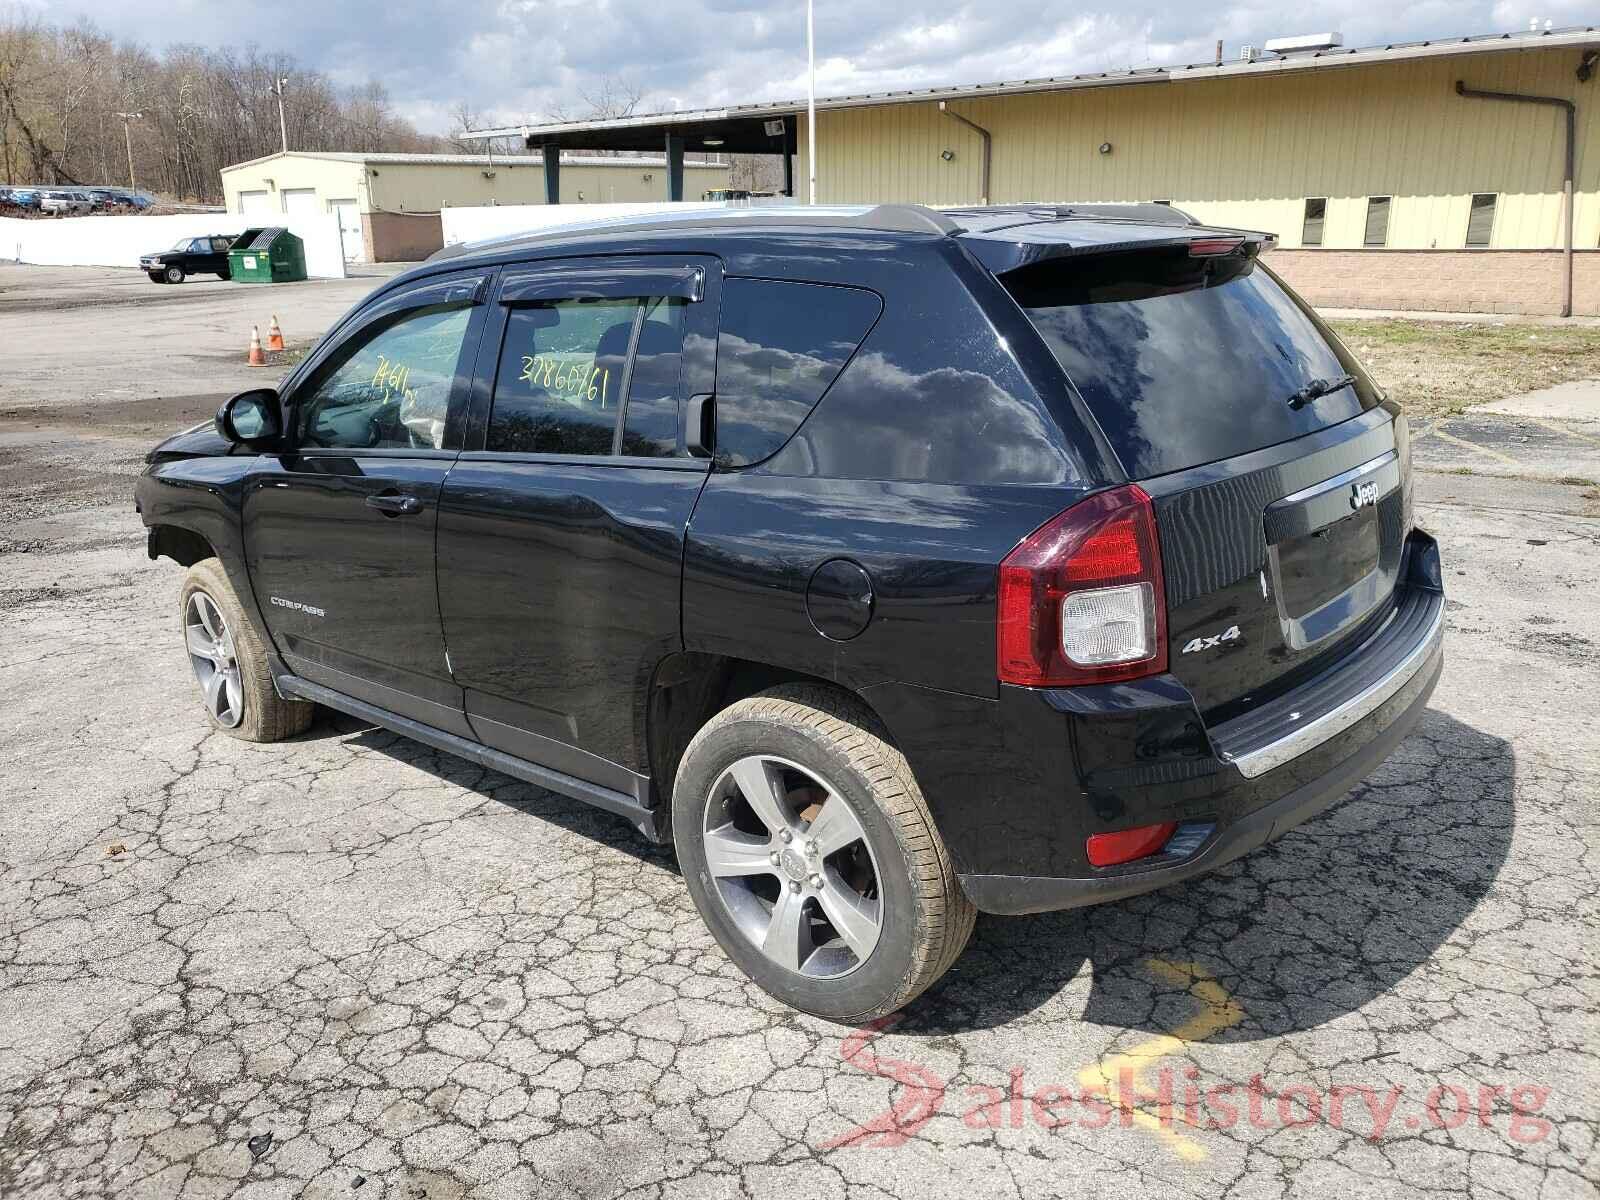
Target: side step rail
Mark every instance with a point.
(649, 821)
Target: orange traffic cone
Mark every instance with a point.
(274, 335)
(257, 359)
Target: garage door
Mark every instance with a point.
(254, 204)
(300, 202)
(349, 229)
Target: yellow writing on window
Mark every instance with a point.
(391, 379)
(577, 382)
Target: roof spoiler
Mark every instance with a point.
(1002, 256)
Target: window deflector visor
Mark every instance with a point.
(604, 283)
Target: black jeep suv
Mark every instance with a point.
(893, 564)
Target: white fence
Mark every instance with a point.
(500, 220)
(119, 241)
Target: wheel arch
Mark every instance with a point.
(183, 546)
(690, 687)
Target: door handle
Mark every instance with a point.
(700, 426)
(392, 504)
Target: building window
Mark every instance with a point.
(1481, 223)
(1311, 232)
(1377, 221)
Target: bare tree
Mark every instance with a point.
(61, 91)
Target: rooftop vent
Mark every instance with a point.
(1304, 43)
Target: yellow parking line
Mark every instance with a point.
(1218, 1011)
(1462, 442)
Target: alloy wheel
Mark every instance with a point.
(211, 654)
(791, 864)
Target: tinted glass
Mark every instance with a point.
(1311, 231)
(558, 389)
(651, 426)
(1481, 223)
(1187, 360)
(780, 347)
(393, 391)
(1377, 231)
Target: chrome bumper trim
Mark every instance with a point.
(1336, 720)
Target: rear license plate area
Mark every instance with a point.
(1317, 567)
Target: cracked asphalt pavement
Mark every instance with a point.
(345, 965)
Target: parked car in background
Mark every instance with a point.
(207, 255)
(65, 203)
(894, 565)
(122, 198)
(22, 197)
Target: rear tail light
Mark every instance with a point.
(1127, 845)
(1081, 597)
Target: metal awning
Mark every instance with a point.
(742, 128)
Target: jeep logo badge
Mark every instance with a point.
(1363, 494)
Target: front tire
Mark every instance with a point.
(230, 662)
(173, 274)
(812, 857)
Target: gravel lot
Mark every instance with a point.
(348, 966)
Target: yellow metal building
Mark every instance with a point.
(1385, 187)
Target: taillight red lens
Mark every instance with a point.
(1089, 582)
(1126, 845)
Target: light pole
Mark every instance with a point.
(283, 128)
(127, 138)
(811, 100)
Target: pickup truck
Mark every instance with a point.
(204, 255)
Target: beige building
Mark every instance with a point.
(388, 204)
(1428, 175)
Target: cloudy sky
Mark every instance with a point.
(511, 59)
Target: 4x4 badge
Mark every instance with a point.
(1207, 643)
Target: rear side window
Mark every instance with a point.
(1187, 360)
(781, 345)
(592, 376)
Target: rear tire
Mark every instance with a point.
(173, 274)
(229, 661)
(848, 913)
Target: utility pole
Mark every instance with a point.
(127, 138)
(283, 127)
(811, 99)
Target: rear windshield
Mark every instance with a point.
(1187, 360)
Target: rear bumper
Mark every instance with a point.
(1141, 755)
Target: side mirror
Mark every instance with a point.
(251, 418)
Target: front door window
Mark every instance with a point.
(392, 391)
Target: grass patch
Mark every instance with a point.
(1439, 368)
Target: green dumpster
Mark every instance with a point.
(270, 255)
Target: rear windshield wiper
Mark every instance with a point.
(1317, 388)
